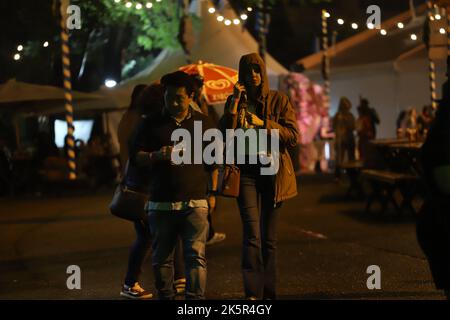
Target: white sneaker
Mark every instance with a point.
(135, 292)
(218, 237)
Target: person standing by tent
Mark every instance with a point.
(344, 127)
(251, 107)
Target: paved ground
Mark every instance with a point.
(326, 243)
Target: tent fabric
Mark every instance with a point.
(391, 71)
(16, 91)
(34, 99)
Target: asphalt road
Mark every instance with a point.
(326, 244)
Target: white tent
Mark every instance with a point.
(215, 43)
(28, 98)
(390, 71)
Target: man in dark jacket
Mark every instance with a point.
(178, 205)
(254, 107)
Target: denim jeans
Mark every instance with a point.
(259, 216)
(192, 226)
(140, 250)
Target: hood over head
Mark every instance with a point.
(245, 68)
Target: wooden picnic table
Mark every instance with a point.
(399, 170)
(388, 141)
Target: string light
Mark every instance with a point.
(371, 26)
(212, 10)
(400, 25)
(340, 21)
(227, 22)
(116, 1)
(438, 17)
(355, 26)
(327, 14)
(236, 21)
(244, 16)
(17, 57)
(149, 5)
(46, 44)
(413, 37)
(20, 48)
(220, 18)
(249, 9)
(138, 6)
(383, 32)
(442, 30)
(129, 5)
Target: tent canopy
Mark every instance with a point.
(369, 47)
(391, 71)
(34, 99)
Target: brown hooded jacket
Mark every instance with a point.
(277, 113)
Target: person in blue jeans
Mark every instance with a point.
(179, 194)
(254, 107)
(145, 101)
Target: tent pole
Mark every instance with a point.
(325, 59)
(64, 4)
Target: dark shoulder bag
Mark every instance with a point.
(127, 203)
(229, 181)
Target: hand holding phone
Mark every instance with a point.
(239, 91)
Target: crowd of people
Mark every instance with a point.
(415, 126)
(344, 127)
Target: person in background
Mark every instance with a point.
(372, 113)
(424, 121)
(5, 167)
(365, 130)
(407, 123)
(344, 127)
(199, 99)
(433, 225)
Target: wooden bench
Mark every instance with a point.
(385, 185)
(353, 170)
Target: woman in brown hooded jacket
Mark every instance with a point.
(254, 106)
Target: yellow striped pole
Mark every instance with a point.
(431, 65)
(70, 141)
(325, 59)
